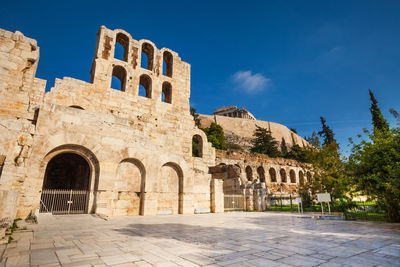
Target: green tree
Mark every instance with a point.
(264, 143)
(195, 116)
(326, 164)
(378, 120)
(374, 164)
(298, 153)
(215, 135)
(326, 133)
(195, 148)
(314, 140)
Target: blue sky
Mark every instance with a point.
(287, 61)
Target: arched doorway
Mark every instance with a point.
(261, 174)
(283, 176)
(272, 174)
(67, 182)
(249, 173)
(170, 200)
(130, 184)
(301, 178)
(292, 175)
(67, 171)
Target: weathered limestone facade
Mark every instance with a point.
(137, 149)
(258, 177)
(130, 151)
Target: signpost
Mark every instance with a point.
(324, 197)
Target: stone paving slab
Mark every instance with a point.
(229, 239)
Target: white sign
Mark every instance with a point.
(325, 197)
(299, 200)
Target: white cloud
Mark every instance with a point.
(250, 82)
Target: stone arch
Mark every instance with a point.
(166, 93)
(167, 63)
(146, 83)
(130, 184)
(197, 146)
(301, 178)
(123, 41)
(170, 189)
(292, 176)
(240, 169)
(249, 173)
(89, 157)
(272, 175)
(148, 51)
(119, 72)
(69, 171)
(282, 172)
(261, 174)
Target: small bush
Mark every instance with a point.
(233, 146)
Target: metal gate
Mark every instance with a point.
(233, 202)
(64, 201)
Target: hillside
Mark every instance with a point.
(240, 131)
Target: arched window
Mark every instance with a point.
(147, 56)
(166, 92)
(301, 178)
(249, 173)
(118, 78)
(197, 146)
(283, 175)
(292, 175)
(261, 174)
(121, 47)
(167, 64)
(145, 86)
(272, 174)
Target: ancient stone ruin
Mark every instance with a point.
(84, 147)
(234, 112)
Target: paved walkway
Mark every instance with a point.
(229, 239)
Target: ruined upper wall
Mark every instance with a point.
(20, 91)
(21, 94)
(165, 92)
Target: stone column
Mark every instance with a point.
(217, 196)
(249, 199)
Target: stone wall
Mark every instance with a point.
(258, 178)
(21, 95)
(278, 175)
(138, 148)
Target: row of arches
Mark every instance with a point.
(274, 177)
(147, 54)
(74, 168)
(119, 78)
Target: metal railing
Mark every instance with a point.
(64, 201)
(233, 202)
